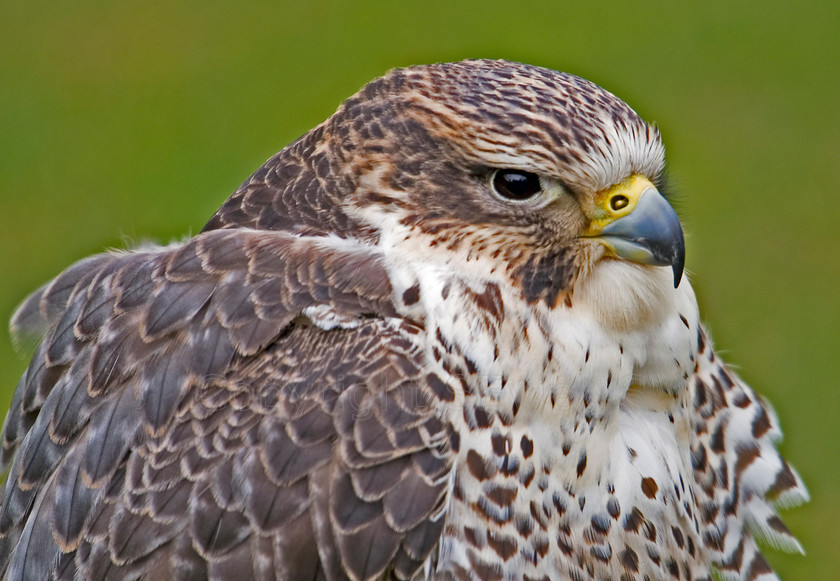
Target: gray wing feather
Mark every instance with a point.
(254, 458)
(181, 416)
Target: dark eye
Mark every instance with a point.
(514, 184)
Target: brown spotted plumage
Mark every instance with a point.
(443, 335)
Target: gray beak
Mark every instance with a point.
(650, 234)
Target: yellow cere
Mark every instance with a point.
(616, 202)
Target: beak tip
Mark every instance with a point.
(678, 262)
(678, 259)
(677, 275)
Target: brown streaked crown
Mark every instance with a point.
(422, 129)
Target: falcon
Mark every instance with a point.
(443, 335)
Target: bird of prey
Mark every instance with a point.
(443, 335)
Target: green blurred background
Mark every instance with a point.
(133, 120)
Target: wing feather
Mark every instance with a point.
(181, 413)
(740, 474)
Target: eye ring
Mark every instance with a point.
(516, 185)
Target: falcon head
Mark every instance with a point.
(494, 167)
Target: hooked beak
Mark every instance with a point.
(638, 224)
